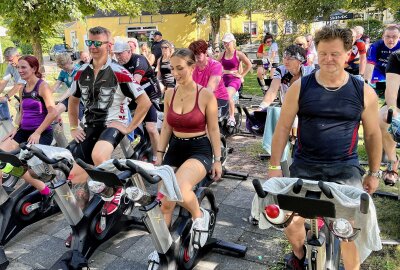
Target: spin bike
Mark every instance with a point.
(315, 200)
(20, 205)
(172, 247)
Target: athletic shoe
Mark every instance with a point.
(68, 241)
(111, 205)
(200, 230)
(231, 122)
(295, 263)
(153, 261)
(390, 176)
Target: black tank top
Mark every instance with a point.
(166, 75)
(329, 122)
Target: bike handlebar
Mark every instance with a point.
(39, 153)
(260, 191)
(137, 169)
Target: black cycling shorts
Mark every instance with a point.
(83, 150)
(23, 135)
(182, 149)
(341, 174)
(151, 115)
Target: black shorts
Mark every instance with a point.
(223, 107)
(23, 135)
(182, 149)
(81, 107)
(151, 115)
(341, 174)
(83, 150)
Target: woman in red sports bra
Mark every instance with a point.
(191, 112)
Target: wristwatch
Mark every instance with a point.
(217, 159)
(375, 174)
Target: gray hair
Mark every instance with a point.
(359, 30)
(10, 51)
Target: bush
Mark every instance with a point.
(26, 48)
(241, 38)
(373, 28)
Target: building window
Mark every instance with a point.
(141, 33)
(250, 28)
(271, 27)
(290, 27)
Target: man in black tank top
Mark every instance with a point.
(143, 73)
(330, 104)
(392, 99)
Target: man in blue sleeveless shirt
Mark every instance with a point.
(330, 104)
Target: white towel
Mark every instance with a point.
(347, 204)
(50, 151)
(169, 184)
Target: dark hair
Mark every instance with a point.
(186, 54)
(295, 49)
(33, 63)
(268, 35)
(98, 30)
(365, 37)
(332, 32)
(198, 46)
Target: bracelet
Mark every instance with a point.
(270, 167)
(74, 128)
(158, 151)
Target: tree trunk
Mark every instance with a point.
(215, 25)
(37, 50)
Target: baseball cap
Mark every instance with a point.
(228, 37)
(121, 46)
(157, 33)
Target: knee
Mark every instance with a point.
(260, 72)
(167, 207)
(98, 158)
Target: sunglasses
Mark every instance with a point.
(95, 43)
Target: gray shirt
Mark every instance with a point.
(12, 71)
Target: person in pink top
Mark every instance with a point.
(233, 75)
(208, 73)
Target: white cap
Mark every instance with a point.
(228, 37)
(121, 46)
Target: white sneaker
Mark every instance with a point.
(153, 261)
(200, 230)
(231, 122)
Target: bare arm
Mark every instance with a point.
(282, 130)
(368, 72)
(3, 84)
(158, 69)
(166, 129)
(363, 64)
(56, 86)
(392, 89)
(143, 104)
(46, 94)
(213, 82)
(246, 61)
(310, 59)
(212, 123)
(73, 111)
(15, 90)
(151, 59)
(272, 92)
(372, 137)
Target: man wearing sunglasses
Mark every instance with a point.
(11, 55)
(106, 89)
(143, 73)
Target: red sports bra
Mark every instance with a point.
(191, 122)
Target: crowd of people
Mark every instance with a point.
(325, 83)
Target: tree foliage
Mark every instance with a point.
(35, 20)
(373, 28)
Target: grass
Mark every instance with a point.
(250, 85)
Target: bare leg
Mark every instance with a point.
(231, 92)
(151, 128)
(296, 235)
(351, 259)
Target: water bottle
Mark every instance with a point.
(11, 170)
(137, 195)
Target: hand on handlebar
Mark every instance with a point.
(216, 171)
(370, 183)
(274, 173)
(78, 135)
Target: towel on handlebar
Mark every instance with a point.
(169, 185)
(50, 151)
(347, 204)
(273, 114)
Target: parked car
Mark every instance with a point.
(61, 48)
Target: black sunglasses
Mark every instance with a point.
(96, 43)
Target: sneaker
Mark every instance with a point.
(68, 241)
(153, 261)
(390, 176)
(200, 230)
(231, 122)
(295, 263)
(112, 204)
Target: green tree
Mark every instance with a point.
(373, 28)
(33, 21)
(212, 9)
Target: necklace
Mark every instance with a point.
(333, 89)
